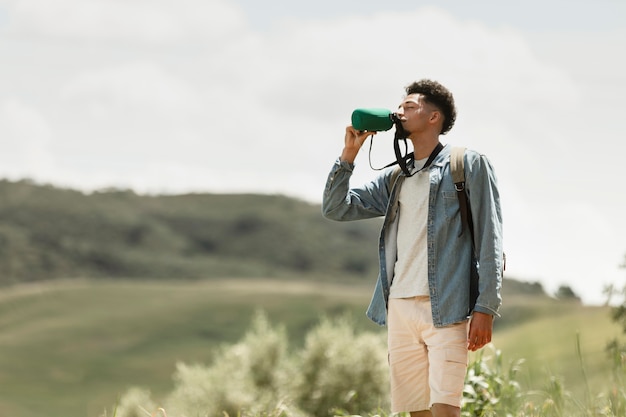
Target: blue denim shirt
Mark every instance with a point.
(449, 251)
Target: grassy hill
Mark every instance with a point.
(48, 232)
(69, 348)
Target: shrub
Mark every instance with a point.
(341, 370)
(490, 388)
(248, 378)
(337, 371)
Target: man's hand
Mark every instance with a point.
(352, 143)
(480, 330)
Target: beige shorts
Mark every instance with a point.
(427, 364)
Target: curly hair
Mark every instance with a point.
(439, 96)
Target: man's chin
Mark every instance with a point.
(403, 132)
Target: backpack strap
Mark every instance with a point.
(457, 168)
(457, 164)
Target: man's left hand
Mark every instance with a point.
(480, 330)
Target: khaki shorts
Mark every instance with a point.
(427, 364)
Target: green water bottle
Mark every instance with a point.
(372, 119)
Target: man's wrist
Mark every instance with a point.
(347, 157)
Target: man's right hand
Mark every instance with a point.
(353, 141)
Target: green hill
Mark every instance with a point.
(48, 232)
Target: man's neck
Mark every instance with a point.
(424, 146)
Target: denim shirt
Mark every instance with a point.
(450, 258)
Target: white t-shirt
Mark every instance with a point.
(411, 268)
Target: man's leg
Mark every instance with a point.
(438, 410)
(408, 356)
(447, 354)
(425, 413)
(445, 410)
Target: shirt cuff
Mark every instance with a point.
(345, 164)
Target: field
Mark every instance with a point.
(70, 348)
(549, 345)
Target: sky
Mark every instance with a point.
(164, 96)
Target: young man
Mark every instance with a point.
(426, 259)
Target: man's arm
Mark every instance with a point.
(487, 219)
(340, 201)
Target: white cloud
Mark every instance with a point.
(153, 21)
(25, 137)
(130, 91)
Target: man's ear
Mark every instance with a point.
(436, 117)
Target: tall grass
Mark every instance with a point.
(492, 389)
(341, 373)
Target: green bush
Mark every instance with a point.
(336, 369)
(341, 373)
(341, 370)
(245, 379)
(491, 389)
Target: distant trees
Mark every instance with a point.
(565, 292)
(618, 314)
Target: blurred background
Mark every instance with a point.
(151, 151)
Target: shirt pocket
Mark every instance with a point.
(451, 204)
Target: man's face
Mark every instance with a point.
(415, 113)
